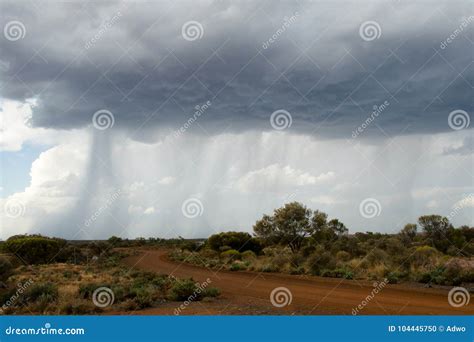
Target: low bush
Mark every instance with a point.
(211, 292)
(5, 268)
(248, 255)
(236, 266)
(87, 290)
(343, 256)
(297, 270)
(269, 268)
(231, 254)
(321, 261)
(338, 273)
(433, 277)
(35, 249)
(182, 290)
(144, 297)
(46, 292)
(393, 277)
(240, 241)
(424, 256)
(376, 257)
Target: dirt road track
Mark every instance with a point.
(249, 292)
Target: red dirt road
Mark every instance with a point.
(249, 293)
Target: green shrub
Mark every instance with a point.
(240, 241)
(338, 273)
(249, 255)
(269, 268)
(143, 297)
(279, 260)
(435, 276)
(297, 270)
(86, 290)
(182, 290)
(211, 292)
(457, 271)
(34, 249)
(343, 256)
(321, 261)
(5, 268)
(209, 253)
(376, 256)
(46, 292)
(424, 256)
(231, 254)
(237, 266)
(393, 277)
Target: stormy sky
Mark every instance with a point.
(169, 118)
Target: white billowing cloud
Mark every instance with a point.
(54, 188)
(15, 130)
(467, 202)
(275, 176)
(149, 211)
(167, 180)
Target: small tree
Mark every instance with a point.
(115, 240)
(408, 233)
(289, 225)
(436, 228)
(319, 221)
(337, 227)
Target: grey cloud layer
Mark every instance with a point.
(319, 68)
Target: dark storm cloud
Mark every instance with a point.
(131, 59)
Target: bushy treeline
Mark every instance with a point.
(297, 240)
(37, 249)
(190, 244)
